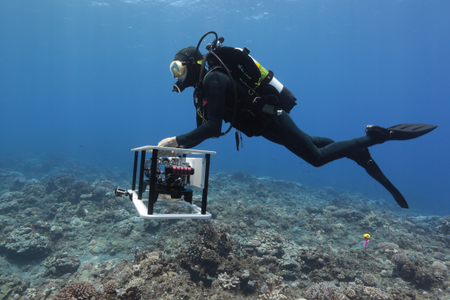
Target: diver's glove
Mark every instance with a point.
(168, 142)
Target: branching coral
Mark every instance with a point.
(81, 290)
(324, 291)
(110, 287)
(227, 282)
(273, 289)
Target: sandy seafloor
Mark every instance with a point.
(65, 235)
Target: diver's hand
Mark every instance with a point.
(168, 142)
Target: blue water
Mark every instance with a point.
(90, 80)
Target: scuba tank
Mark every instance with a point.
(265, 93)
(245, 68)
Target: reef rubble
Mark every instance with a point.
(65, 235)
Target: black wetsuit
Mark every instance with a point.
(282, 130)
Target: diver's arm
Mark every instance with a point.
(215, 88)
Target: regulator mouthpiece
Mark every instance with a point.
(178, 86)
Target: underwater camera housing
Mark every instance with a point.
(167, 178)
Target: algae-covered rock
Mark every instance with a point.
(5, 290)
(26, 243)
(62, 263)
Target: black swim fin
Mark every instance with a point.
(364, 159)
(399, 132)
(409, 131)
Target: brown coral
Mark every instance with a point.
(399, 259)
(110, 287)
(374, 293)
(210, 250)
(81, 290)
(324, 290)
(350, 293)
(370, 280)
(210, 256)
(132, 293)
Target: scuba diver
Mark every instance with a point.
(235, 88)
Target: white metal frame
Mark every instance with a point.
(141, 209)
(198, 180)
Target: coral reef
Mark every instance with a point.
(325, 291)
(76, 290)
(273, 289)
(227, 282)
(208, 253)
(61, 263)
(399, 259)
(26, 243)
(65, 235)
(110, 287)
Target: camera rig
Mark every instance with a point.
(167, 178)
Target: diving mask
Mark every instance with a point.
(178, 69)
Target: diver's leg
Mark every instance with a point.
(320, 142)
(342, 149)
(315, 150)
(283, 131)
(363, 158)
(318, 151)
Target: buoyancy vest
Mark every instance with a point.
(265, 95)
(250, 72)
